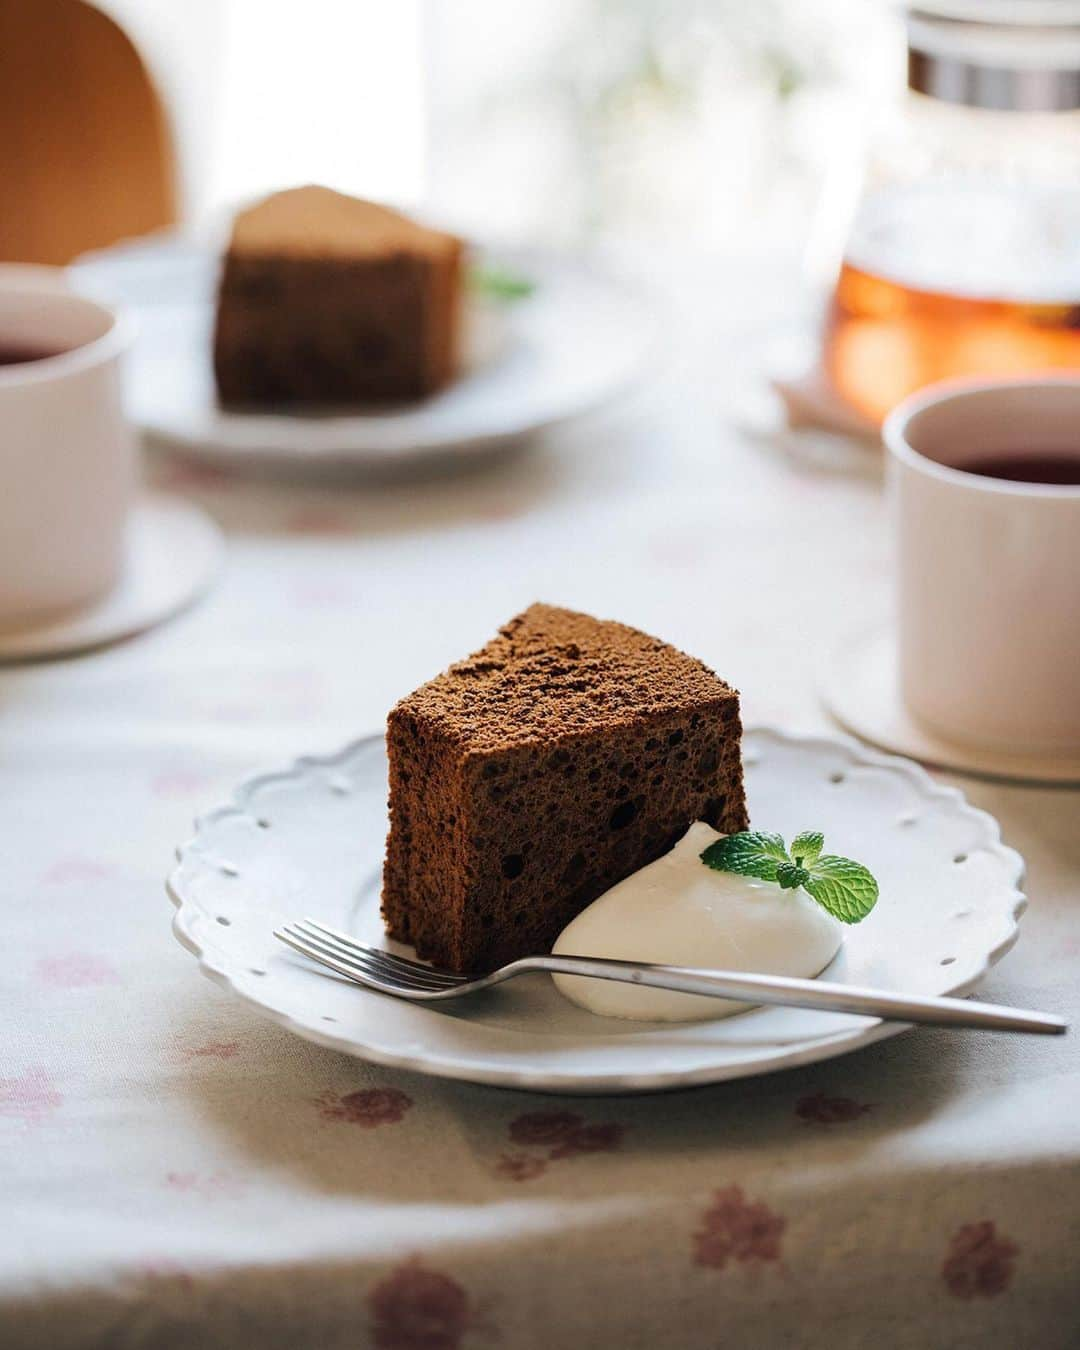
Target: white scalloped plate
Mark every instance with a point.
(309, 840)
(578, 343)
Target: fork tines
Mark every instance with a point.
(361, 962)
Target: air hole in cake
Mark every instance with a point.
(622, 816)
(513, 864)
(708, 763)
(652, 743)
(675, 738)
(714, 808)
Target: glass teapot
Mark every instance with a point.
(961, 231)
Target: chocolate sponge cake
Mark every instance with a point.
(531, 777)
(325, 298)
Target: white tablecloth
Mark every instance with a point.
(177, 1173)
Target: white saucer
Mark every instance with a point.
(860, 688)
(174, 550)
(577, 342)
(310, 840)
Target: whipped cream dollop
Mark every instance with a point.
(677, 911)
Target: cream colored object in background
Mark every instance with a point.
(68, 464)
(988, 571)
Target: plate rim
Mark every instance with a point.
(531, 1080)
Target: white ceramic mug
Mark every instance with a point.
(988, 570)
(67, 455)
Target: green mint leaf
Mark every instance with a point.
(806, 847)
(499, 283)
(790, 875)
(751, 853)
(845, 888)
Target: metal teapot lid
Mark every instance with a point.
(1008, 55)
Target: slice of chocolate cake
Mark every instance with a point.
(325, 298)
(530, 778)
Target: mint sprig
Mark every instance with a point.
(845, 889)
(495, 282)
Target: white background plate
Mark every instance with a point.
(578, 342)
(309, 841)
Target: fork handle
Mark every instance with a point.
(793, 993)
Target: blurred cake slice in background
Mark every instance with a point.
(325, 298)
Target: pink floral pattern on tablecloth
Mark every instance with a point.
(369, 1108)
(180, 781)
(188, 472)
(324, 592)
(979, 1262)
(30, 1097)
(415, 1308)
(76, 970)
(319, 520)
(734, 1228)
(206, 1185)
(604, 1137)
(77, 869)
(161, 1273)
(212, 1050)
(560, 1134)
(819, 1109)
(544, 1127)
(519, 1166)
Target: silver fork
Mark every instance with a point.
(397, 975)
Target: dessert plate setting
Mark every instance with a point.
(309, 840)
(580, 339)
